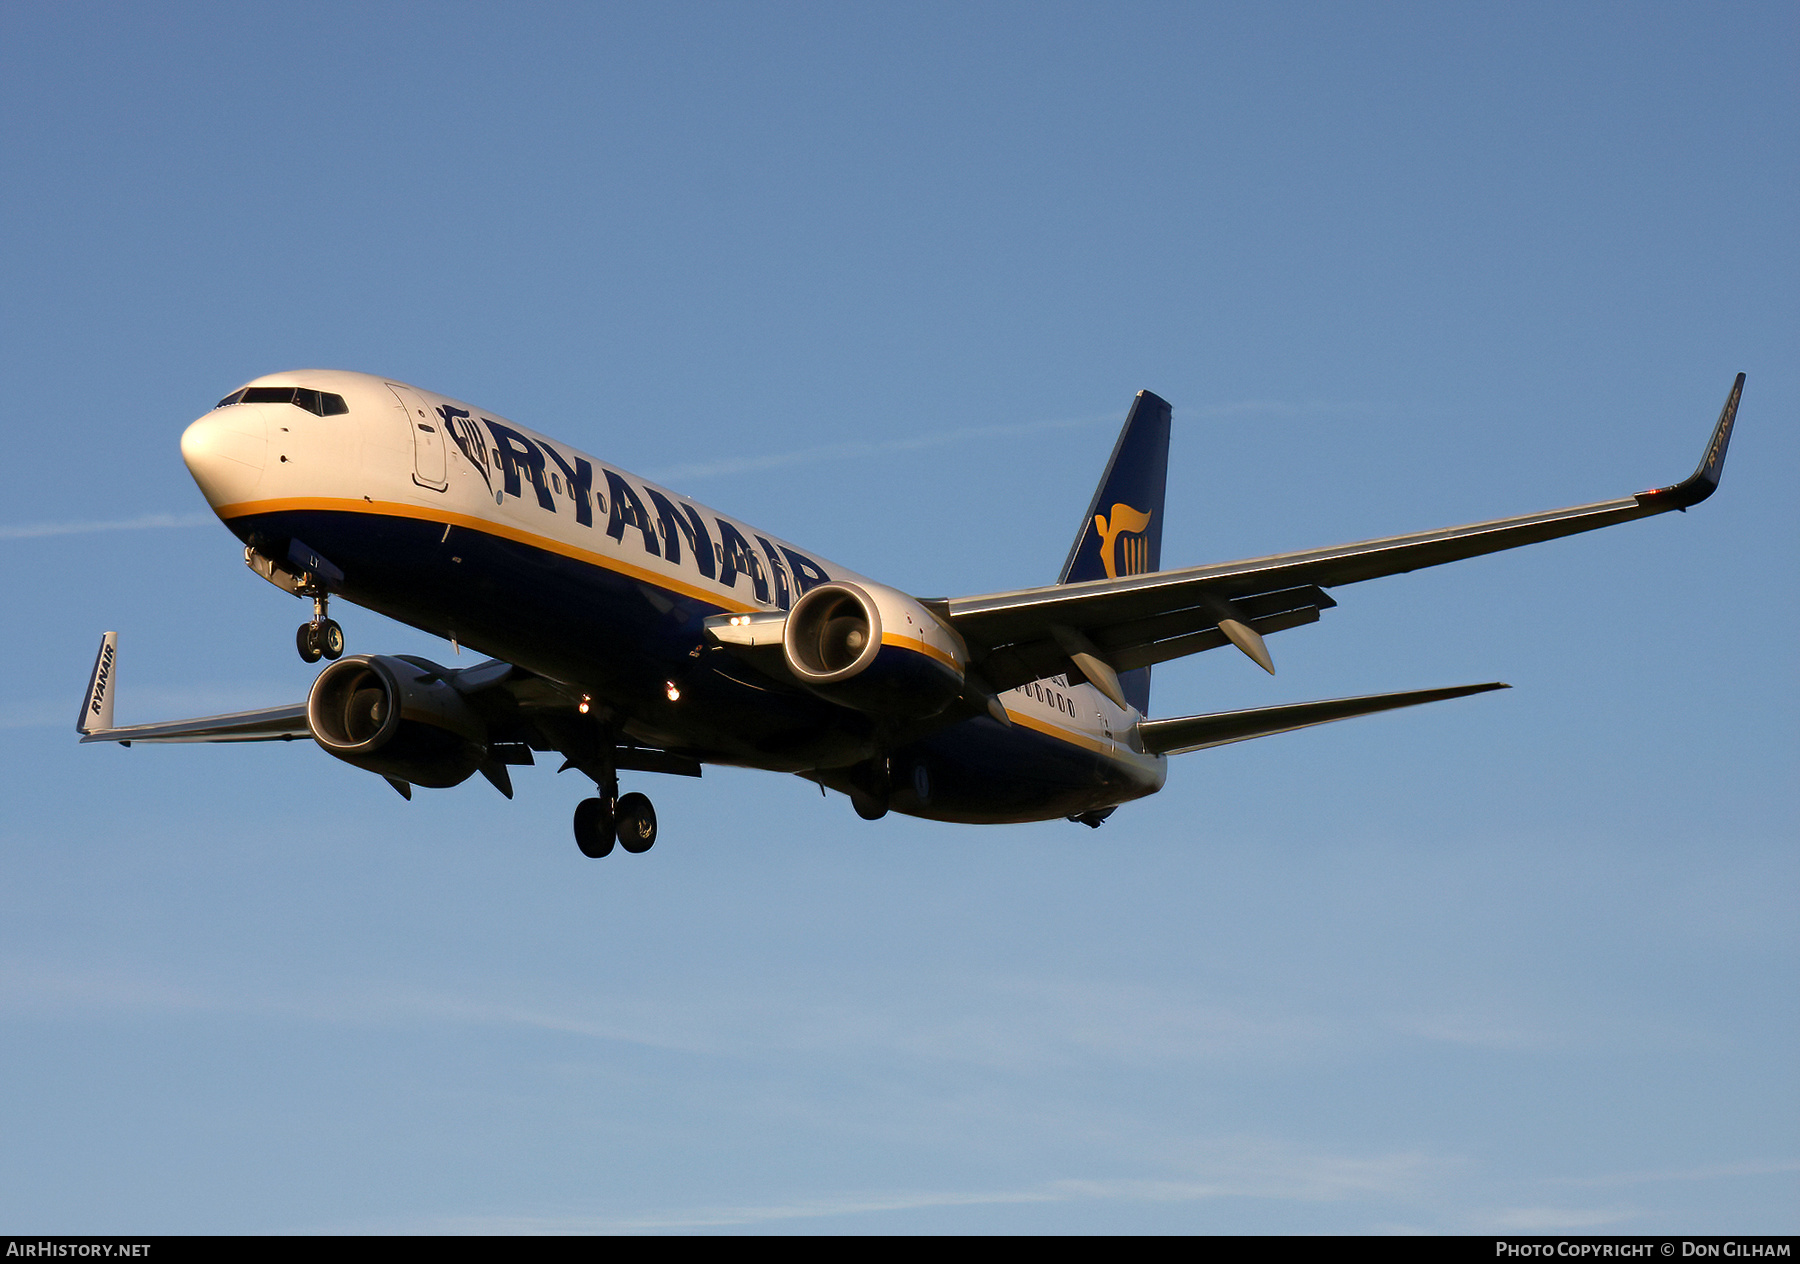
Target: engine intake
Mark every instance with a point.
(396, 718)
(833, 633)
(874, 649)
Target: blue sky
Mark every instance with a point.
(883, 279)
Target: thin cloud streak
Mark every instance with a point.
(29, 987)
(1523, 1220)
(1244, 1169)
(725, 1217)
(1715, 1172)
(1279, 408)
(856, 450)
(1000, 1025)
(147, 522)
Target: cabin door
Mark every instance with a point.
(429, 469)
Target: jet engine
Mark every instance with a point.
(874, 649)
(398, 718)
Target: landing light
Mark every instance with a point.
(670, 689)
(583, 705)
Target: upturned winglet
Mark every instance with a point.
(96, 713)
(1704, 481)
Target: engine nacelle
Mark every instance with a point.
(874, 649)
(396, 718)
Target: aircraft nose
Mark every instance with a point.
(225, 452)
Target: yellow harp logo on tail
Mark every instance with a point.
(1123, 548)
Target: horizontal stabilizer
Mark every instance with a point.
(1197, 732)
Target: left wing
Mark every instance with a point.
(94, 723)
(273, 724)
(517, 712)
(1120, 624)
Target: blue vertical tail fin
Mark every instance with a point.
(1121, 533)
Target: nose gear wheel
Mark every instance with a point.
(319, 640)
(322, 637)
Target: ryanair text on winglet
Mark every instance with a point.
(99, 695)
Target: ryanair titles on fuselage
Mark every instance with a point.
(674, 531)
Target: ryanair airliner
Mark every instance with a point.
(633, 630)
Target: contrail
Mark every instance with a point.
(32, 530)
(850, 451)
(946, 438)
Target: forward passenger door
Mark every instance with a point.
(429, 467)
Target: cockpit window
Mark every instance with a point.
(319, 403)
(268, 395)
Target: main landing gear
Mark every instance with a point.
(871, 786)
(322, 638)
(629, 819)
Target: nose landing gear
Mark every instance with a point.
(321, 638)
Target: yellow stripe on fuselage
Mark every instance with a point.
(1074, 737)
(518, 535)
(918, 646)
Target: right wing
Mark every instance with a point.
(1016, 637)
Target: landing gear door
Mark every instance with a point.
(429, 468)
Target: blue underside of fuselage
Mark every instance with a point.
(625, 641)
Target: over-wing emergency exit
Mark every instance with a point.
(633, 630)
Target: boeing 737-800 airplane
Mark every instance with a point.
(633, 630)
